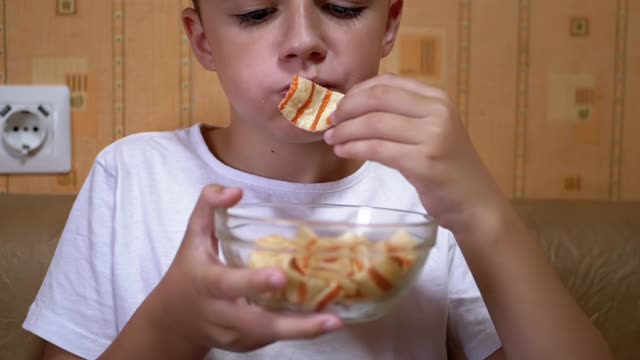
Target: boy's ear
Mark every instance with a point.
(393, 25)
(199, 42)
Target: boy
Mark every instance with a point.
(127, 281)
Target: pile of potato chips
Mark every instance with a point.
(323, 271)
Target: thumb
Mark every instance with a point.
(212, 197)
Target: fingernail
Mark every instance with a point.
(331, 324)
(277, 280)
(338, 149)
(328, 136)
(334, 118)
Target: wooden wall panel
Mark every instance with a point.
(630, 178)
(208, 102)
(4, 179)
(152, 65)
(493, 86)
(63, 41)
(567, 157)
(202, 97)
(186, 70)
(441, 16)
(521, 116)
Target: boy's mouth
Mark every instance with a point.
(324, 84)
(284, 92)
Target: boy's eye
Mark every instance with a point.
(342, 12)
(256, 16)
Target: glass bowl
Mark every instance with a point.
(353, 261)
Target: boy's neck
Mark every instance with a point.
(259, 155)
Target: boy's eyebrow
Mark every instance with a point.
(196, 2)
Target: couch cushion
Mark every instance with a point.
(595, 247)
(29, 230)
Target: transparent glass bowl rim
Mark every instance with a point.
(229, 213)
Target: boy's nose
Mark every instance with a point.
(302, 39)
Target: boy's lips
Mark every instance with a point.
(284, 92)
(331, 87)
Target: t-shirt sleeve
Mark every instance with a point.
(74, 308)
(470, 328)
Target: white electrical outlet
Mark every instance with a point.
(35, 129)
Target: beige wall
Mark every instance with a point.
(512, 66)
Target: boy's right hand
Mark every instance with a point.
(202, 301)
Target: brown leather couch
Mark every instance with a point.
(594, 245)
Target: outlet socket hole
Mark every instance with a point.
(43, 111)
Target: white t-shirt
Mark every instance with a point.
(129, 219)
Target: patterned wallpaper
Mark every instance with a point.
(549, 90)
(542, 87)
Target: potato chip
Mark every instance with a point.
(308, 105)
(326, 270)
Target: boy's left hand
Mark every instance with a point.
(413, 127)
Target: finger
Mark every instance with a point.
(270, 327)
(260, 327)
(384, 98)
(394, 155)
(232, 283)
(293, 327)
(201, 223)
(405, 83)
(378, 125)
(394, 81)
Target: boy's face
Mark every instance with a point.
(257, 46)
